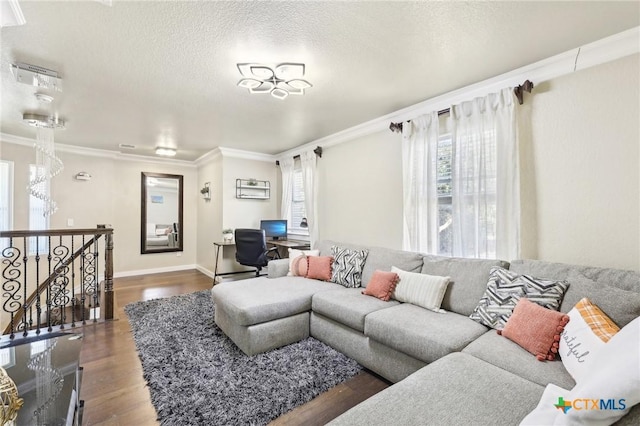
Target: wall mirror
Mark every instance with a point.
(161, 220)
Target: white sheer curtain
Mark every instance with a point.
(286, 168)
(419, 176)
(486, 191)
(308, 165)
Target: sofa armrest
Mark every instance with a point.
(278, 268)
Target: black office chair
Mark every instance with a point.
(251, 249)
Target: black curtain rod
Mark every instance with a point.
(518, 90)
(317, 151)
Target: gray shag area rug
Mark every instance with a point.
(197, 375)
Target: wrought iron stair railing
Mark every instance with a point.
(70, 293)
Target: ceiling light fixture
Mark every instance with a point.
(280, 81)
(165, 152)
(43, 98)
(34, 75)
(44, 121)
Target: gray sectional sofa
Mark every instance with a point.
(447, 368)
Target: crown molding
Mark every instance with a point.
(208, 157)
(605, 50)
(93, 152)
(233, 153)
(11, 14)
(246, 155)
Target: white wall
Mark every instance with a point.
(209, 213)
(111, 197)
(580, 181)
(360, 191)
(244, 213)
(581, 186)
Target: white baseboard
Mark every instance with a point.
(205, 271)
(155, 271)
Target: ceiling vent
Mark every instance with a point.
(34, 75)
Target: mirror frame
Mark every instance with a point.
(143, 216)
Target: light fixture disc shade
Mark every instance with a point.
(245, 69)
(299, 84)
(264, 87)
(291, 90)
(165, 152)
(249, 83)
(262, 72)
(279, 93)
(289, 70)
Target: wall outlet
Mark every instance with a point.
(69, 222)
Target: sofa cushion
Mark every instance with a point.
(455, 390)
(348, 306)
(468, 280)
(503, 353)
(258, 300)
(423, 334)
(378, 258)
(615, 291)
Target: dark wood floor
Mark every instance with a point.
(115, 392)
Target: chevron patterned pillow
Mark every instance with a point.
(504, 290)
(347, 266)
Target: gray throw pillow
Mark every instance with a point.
(347, 266)
(505, 288)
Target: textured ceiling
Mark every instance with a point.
(164, 73)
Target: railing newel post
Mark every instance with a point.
(108, 275)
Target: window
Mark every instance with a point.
(298, 213)
(37, 218)
(444, 184)
(6, 199)
(482, 215)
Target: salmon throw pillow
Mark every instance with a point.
(536, 329)
(382, 285)
(319, 267)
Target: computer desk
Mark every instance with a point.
(283, 245)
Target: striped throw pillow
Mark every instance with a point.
(587, 332)
(422, 290)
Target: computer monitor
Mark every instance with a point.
(274, 229)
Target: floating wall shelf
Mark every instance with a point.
(253, 189)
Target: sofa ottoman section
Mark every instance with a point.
(455, 390)
(245, 310)
(502, 352)
(348, 306)
(420, 333)
(263, 337)
(383, 360)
